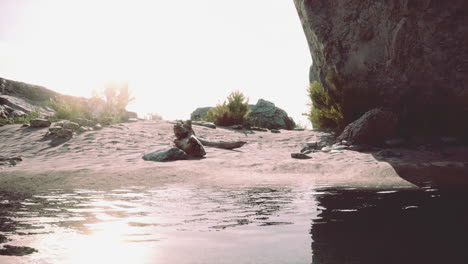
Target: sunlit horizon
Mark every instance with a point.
(176, 56)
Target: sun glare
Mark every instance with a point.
(170, 53)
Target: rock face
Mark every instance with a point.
(170, 154)
(409, 55)
(199, 113)
(373, 127)
(11, 107)
(266, 114)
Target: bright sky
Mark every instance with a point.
(176, 55)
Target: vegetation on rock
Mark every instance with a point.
(325, 112)
(233, 112)
(337, 103)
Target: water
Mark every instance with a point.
(235, 225)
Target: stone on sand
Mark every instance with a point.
(170, 154)
(39, 122)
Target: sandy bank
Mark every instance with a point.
(111, 158)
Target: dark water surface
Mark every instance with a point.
(234, 225)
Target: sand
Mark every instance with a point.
(112, 158)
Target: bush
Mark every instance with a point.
(233, 112)
(338, 102)
(67, 107)
(110, 105)
(325, 112)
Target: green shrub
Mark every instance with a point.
(339, 103)
(67, 107)
(110, 104)
(325, 112)
(233, 112)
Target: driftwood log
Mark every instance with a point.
(192, 145)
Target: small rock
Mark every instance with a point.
(307, 151)
(326, 149)
(1, 125)
(395, 141)
(25, 125)
(357, 148)
(388, 154)
(205, 124)
(448, 140)
(346, 143)
(170, 154)
(106, 121)
(275, 131)
(338, 146)
(60, 132)
(83, 122)
(38, 122)
(68, 125)
(237, 127)
(300, 156)
(304, 149)
(97, 126)
(254, 128)
(18, 113)
(298, 129)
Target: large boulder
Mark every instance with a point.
(170, 154)
(373, 127)
(200, 113)
(266, 114)
(408, 55)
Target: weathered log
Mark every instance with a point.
(205, 124)
(222, 144)
(192, 145)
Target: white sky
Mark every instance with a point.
(177, 55)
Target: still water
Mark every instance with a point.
(234, 225)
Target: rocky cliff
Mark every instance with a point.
(17, 99)
(407, 55)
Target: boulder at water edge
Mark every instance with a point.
(373, 127)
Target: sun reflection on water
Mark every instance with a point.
(172, 225)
